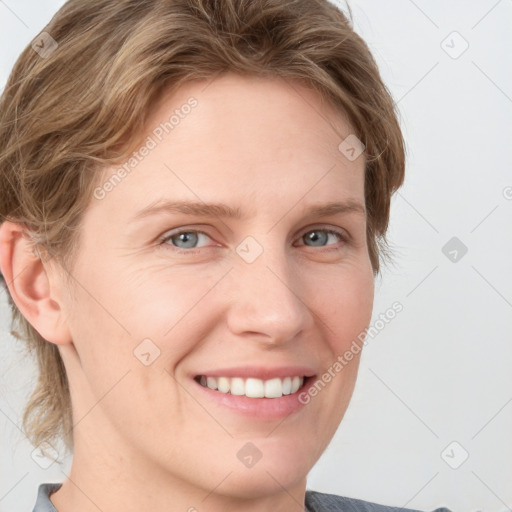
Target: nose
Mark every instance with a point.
(268, 301)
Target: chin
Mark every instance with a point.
(262, 481)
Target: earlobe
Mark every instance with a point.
(30, 284)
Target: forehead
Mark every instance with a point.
(251, 138)
(246, 110)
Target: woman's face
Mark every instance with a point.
(170, 298)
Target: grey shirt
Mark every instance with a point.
(315, 502)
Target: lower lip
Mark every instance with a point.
(261, 408)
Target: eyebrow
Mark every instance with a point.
(221, 210)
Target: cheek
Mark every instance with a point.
(150, 310)
(344, 303)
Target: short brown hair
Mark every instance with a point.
(67, 115)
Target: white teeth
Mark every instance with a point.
(287, 386)
(296, 383)
(254, 388)
(237, 386)
(273, 388)
(223, 384)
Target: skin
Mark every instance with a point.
(145, 436)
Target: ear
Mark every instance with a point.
(33, 287)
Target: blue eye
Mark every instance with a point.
(319, 236)
(186, 240)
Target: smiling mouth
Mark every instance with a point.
(253, 388)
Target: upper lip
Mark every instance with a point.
(260, 372)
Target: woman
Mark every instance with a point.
(196, 195)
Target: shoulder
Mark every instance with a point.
(43, 503)
(321, 502)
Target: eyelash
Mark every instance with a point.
(344, 238)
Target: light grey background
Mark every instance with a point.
(440, 371)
